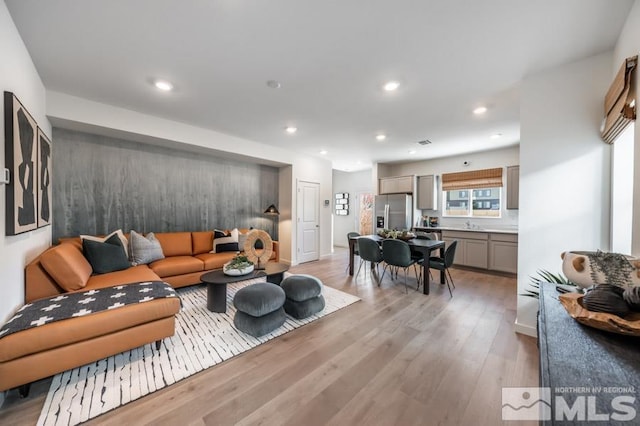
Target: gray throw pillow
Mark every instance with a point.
(144, 249)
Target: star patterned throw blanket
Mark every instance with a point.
(65, 306)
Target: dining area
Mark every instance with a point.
(420, 253)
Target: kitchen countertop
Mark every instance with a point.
(460, 228)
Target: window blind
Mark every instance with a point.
(619, 103)
(486, 178)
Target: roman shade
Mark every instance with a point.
(619, 103)
(486, 178)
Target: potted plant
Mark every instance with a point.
(239, 265)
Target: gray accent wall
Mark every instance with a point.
(101, 184)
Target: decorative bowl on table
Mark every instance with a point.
(400, 235)
(239, 265)
(573, 303)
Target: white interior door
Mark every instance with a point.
(308, 221)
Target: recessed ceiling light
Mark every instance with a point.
(274, 84)
(413, 151)
(480, 110)
(323, 152)
(163, 85)
(290, 129)
(381, 137)
(496, 135)
(390, 86)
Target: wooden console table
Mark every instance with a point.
(574, 356)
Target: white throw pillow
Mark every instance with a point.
(119, 233)
(223, 244)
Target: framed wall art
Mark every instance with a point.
(44, 179)
(20, 152)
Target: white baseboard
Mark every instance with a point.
(526, 330)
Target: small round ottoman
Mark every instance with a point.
(304, 296)
(259, 309)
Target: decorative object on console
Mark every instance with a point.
(589, 268)
(342, 203)
(250, 251)
(20, 153)
(612, 281)
(144, 249)
(239, 265)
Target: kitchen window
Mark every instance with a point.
(472, 194)
(472, 203)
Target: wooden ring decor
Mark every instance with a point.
(250, 247)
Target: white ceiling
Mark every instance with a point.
(332, 58)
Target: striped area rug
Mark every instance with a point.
(202, 339)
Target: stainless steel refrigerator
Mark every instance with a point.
(394, 211)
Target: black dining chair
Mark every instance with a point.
(355, 249)
(369, 252)
(396, 253)
(444, 263)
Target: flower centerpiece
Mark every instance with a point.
(400, 235)
(239, 265)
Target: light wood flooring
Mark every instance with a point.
(391, 359)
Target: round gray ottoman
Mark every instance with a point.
(259, 309)
(304, 295)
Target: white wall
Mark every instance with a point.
(622, 153)
(82, 114)
(564, 170)
(629, 45)
(18, 75)
(479, 160)
(353, 183)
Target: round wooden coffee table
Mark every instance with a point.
(217, 283)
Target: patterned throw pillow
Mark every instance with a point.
(226, 243)
(105, 257)
(144, 249)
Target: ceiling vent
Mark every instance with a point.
(424, 142)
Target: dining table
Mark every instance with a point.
(423, 246)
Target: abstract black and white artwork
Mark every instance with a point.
(44, 179)
(21, 133)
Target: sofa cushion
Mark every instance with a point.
(215, 260)
(66, 264)
(119, 233)
(201, 242)
(175, 243)
(176, 265)
(107, 256)
(144, 249)
(134, 274)
(227, 243)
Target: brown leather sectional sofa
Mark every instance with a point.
(42, 351)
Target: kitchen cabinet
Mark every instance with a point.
(503, 253)
(427, 199)
(396, 185)
(472, 247)
(513, 187)
(484, 250)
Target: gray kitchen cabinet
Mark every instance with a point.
(484, 250)
(503, 253)
(513, 187)
(427, 199)
(396, 185)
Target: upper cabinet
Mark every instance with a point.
(513, 186)
(427, 199)
(396, 185)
